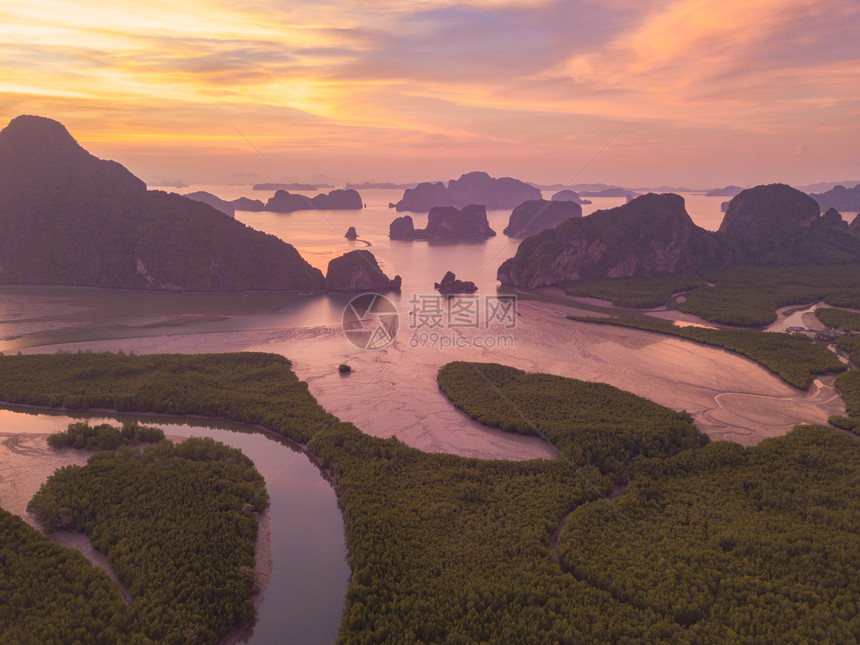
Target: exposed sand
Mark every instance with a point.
(722, 390)
(81, 542)
(26, 462)
(393, 392)
(797, 316)
(262, 556)
(263, 561)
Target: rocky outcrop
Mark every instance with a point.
(471, 188)
(245, 204)
(537, 215)
(778, 224)
(840, 198)
(351, 234)
(68, 218)
(402, 228)
(358, 271)
(451, 285)
(286, 202)
(767, 218)
(568, 195)
(214, 201)
(348, 199)
(470, 223)
(423, 197)
(652, 235)
(832, 218)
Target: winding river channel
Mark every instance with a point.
(309, 574)
(390, 392)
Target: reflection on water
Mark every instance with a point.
(38, 315)
(304, 600)
(33, 316)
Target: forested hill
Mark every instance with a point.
(67, 217)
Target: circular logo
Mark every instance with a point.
(370, 321)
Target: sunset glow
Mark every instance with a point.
(706, 93)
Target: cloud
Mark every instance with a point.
(730, 60)
(498, 78)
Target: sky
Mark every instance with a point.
(694, 93)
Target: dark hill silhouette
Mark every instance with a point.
(445, 222)
(764, 218)
(358, 271)
(651, 235)
(69, 218)
(778, 224)
(537, 215)
(840, 198)
(654, 235)
(247, 204)
(286, 202)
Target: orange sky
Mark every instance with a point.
(707, 93)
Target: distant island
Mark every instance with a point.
(471, 188)
(69, 218)
(537, 215)
(246, 204)
(286, 202)
(824, 186)
(568, 195)
(653, 235)
(446, 222)
(292, 186)
(728, 191)
(840, 198)
(163, 182)
(609, 192)
(384, 185)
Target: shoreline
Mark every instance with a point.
(399, 396)
(263, 564)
